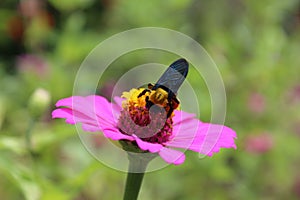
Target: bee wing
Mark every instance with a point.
(174, 76)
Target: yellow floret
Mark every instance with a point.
(133, 99)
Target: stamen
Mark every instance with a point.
(150, 125)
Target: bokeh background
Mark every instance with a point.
(255, 44)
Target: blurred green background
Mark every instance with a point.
(255, 44)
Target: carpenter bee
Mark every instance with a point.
(164, 92)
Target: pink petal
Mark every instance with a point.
(65, 102)
(93, 106)
(90, 127)
(185, 129)
(147, 146)
(117, 107)
(172, 156)
(88, 124)
(181, 116)
(64, 113)
(119, 101)
(115, 134)
(201, 137)
(92, 110)
(103, 108)
(217, 136)
(70, 116)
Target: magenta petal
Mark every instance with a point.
(186, 129)
(65, 102)
(93, 106)
(79, 104)
(147, 146)
(90, 127)
(88, 124)
(115, 134)
(92, 110)
(72, 118)
(64, 113)
(206, 138)
(217, 136)
(103, 109)
(117, 107)
(172, 156)
(181, 116)
(119, 101)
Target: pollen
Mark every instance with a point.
(132, 98)
(149, 124)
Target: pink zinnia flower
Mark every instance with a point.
(129, 121)
(258, 144)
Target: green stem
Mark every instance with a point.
(137, 165)
(28, 136)
(133, 185)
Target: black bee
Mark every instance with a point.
(165, 90)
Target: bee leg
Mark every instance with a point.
(148, 103)
(150, 86)
(173, 103)
(143, 93)
(176, 100)
(170, 112)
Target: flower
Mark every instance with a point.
(150, 130)
(256, 103)
(33, 64)
(259, 144)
